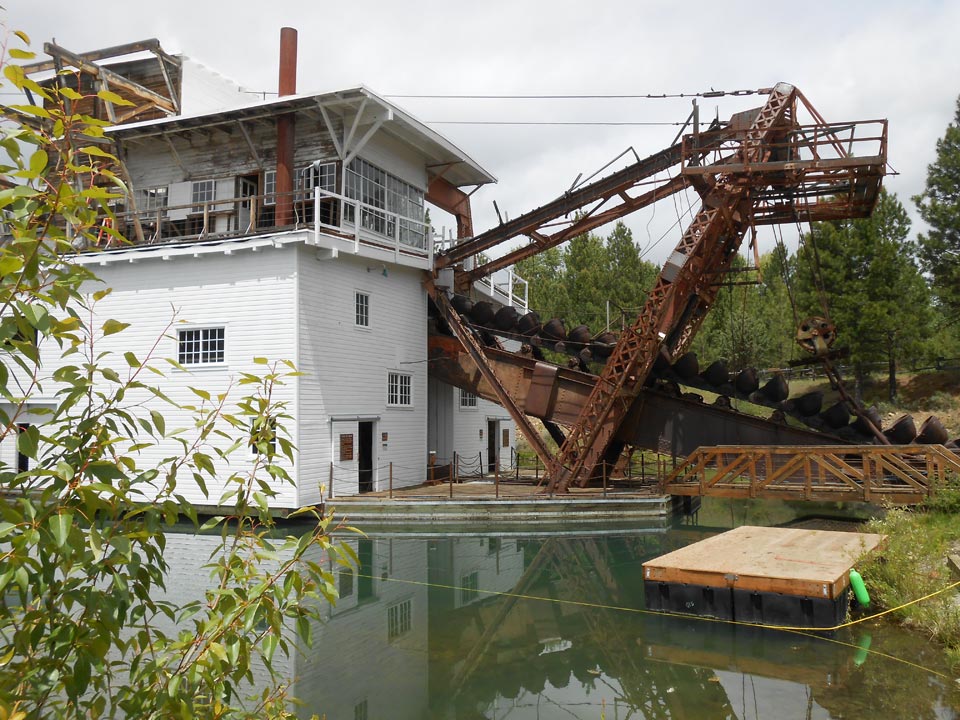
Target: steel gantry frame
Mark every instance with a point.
(761, 167)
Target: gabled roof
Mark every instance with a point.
(442, 155)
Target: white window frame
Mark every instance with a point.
(468, 401)
(399, 619)
(361, 309)
(203, 337)
(202, 191)
(154, 198)
(319, 174)
(399, 389)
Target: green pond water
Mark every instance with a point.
(525, 625)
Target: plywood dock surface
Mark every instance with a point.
(793, 561)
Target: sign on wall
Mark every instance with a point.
(346, 447)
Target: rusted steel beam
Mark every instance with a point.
(470, 344)
(286, 129)
(568, 203)
(584, 224)
(707, 246)
(453, 200)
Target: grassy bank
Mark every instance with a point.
(914, 564)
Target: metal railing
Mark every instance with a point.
(317, 209)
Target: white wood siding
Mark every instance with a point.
(250, 294)
(346, 369)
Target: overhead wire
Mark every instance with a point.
(647, 96)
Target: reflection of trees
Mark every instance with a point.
(650, 666)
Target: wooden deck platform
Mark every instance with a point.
(760, 574)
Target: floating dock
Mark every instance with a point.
(762, 575)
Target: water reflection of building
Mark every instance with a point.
(421, 632)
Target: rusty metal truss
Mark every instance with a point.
(762, 167)
(902, 474)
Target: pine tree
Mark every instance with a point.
(939, 206)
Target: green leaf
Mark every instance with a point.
(18, 54)
(70, 93)
(94, 150)
(111, 327)
(28, 440)
(23, 36)
(10, 264)
(60, 525)
(158, 422)
(131, 359)
(38, 161)
(112, 97)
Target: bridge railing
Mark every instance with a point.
(900, 474)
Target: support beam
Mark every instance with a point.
(150, 45)
(453, 200)
(165, 104)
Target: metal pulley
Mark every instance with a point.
(816, 335)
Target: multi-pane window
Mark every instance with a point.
(305, 179)
(399, 390)
(469, 585)
(467, 399)
(379, 189)
(263, 436)
(153, 198)
(201, 346)
(398, 620)
(362, 307)
(202, 191)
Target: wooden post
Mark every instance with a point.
(453, 472)
(431, 465)
(330, 486)
(496, 481)
(643, 469)
(536, 469)
(391, 479)
(604, 478)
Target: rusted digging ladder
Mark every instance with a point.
(674, 309)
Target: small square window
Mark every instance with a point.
(467, 399)
(263, 436)
(362, 305)
(399, 390)
(201, 346)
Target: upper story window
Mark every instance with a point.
(399, 390)
(362, 306)
(201, 346)
(467, 399)
(152, 199)
(201, 192)
(323, 175)
(379, 189)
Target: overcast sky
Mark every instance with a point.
(853, 60)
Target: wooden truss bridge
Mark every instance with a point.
(899, 474)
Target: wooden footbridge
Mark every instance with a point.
(899, 474)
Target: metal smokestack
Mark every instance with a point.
(286, 128)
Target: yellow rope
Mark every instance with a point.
(799, 630)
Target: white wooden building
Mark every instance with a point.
(328, 276)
